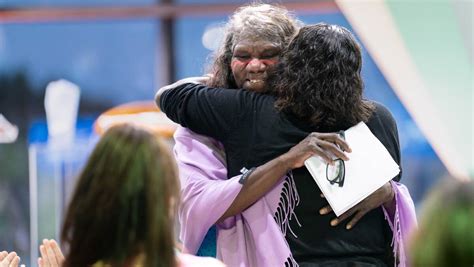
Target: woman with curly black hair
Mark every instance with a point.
(325, 93)
(317, 88)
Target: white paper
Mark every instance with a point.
(369, 167)
(8, 131)
(61, 102)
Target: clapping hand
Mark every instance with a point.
(51, 255)
(9, 259)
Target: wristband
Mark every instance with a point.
(245, 174)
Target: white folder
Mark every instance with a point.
(369, 167)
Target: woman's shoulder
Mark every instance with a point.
(379, 108)
(381, 114)
(382, 121)
(187, 260)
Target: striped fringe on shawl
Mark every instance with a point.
(289, 199)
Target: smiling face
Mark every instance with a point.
(252, 61)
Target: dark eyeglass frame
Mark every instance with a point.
(341, 174)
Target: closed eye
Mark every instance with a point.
(238, 56)
(268, 56)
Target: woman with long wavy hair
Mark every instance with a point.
(122, 212)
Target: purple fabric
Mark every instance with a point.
(402, 221)
(254, 237)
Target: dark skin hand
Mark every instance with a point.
(267, 175)
(382, 196)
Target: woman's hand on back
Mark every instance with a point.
(382, 196)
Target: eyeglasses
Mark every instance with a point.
(336, 173)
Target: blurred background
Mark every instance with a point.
(418, 61)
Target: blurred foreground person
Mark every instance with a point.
(445, 236)
(122, 212)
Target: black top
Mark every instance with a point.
(253, 132)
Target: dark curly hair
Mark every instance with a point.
(252, 22)
(318, 79)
